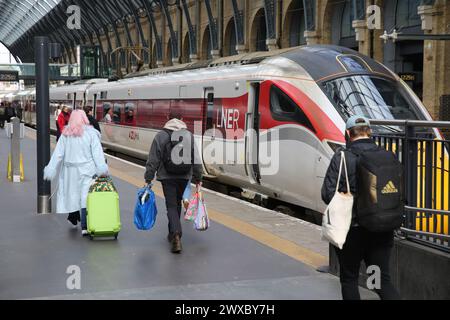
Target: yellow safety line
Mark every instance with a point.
(289, 248)
(275, 242)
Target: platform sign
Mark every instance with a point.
(9, 76)
(408, 77)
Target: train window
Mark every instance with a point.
(283, 108)
(103, 95)
(373, 97)
(130, 114)
(117, 113)
(107, 112)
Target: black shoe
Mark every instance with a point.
(74, 222)
(176, 244)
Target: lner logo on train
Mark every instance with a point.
(228, 118)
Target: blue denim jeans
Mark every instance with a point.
(83, 219)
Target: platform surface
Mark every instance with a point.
(248, 253)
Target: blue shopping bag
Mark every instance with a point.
(145, 211)
(187, 192)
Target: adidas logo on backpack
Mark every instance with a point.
(389, 188)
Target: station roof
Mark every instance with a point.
(17, 17)
(22, 20)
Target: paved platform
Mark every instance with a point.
(248, 253)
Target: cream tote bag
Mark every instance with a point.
(338, 216)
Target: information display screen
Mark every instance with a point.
(9, 76)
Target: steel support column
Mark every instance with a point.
(239, 26)
(270, 10)
(310, 14)
(192, 31)
(123, 17)
(148, 8)
(212, 30)
(173, 33)
(42, 122)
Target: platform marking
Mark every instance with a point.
(277, 243)
(270, 240)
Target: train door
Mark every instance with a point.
(74, 101)
(252, 126)
(209, 133)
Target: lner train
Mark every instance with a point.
(295, 102)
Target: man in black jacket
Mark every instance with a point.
(373, 248)
(92, 121)
(10, 112)
(173, 184)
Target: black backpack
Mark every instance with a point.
(176, 148)
(380, 190)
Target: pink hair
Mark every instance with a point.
(75, 128)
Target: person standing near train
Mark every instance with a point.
(80, 156)
(90, 115)
(56, 115)
(174, 174)
(10, 112)
(62, 122)
(361, 243)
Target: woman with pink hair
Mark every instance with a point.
(79, 155)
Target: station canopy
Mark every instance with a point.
(22, 20)
(17, 17)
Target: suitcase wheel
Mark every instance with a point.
(116, 236)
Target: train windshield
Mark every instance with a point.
(375, 98)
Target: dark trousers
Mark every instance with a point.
(58, 133)
(173, 193)
(375, 250)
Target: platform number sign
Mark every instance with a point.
(9, 76)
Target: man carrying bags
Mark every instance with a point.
(175, 160)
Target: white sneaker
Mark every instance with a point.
(84, 233)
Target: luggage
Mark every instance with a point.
(338, 216)
(380, 191)
(145, 211)
(103, 211)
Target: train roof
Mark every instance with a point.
(327, 61)
(321, 62)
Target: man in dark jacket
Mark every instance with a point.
(92, 121)
(173, 184)
(10, 112)
(373, 248)
(2, 115)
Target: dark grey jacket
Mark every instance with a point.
(329, 184)
(155, 163)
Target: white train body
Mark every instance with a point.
(293, 102)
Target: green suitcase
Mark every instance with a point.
(103, 211)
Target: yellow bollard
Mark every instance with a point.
(22, 172)
(9, 169)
